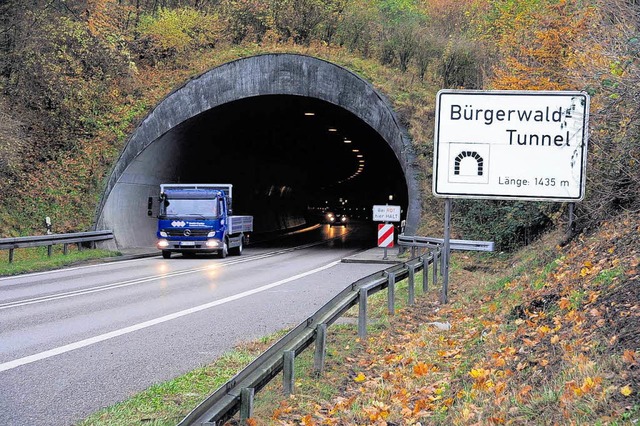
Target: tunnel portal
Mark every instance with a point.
(292, 133)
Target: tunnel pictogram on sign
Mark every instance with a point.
(471, 154)
(385, 235)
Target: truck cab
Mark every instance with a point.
(196, 218)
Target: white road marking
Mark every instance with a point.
(106, 336)
(111, 286)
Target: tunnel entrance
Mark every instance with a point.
(293, 134)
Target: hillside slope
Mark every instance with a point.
(554, 341)
(75, 77)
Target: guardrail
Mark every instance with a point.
(52, 239)
(237, 394)
(429, 242)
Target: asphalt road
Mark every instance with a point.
(79, 339)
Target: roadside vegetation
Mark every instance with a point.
(544, 336)
(76, 76)
(555, 341)
(37, 259)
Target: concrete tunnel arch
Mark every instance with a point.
(134, 178)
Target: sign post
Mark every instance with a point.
(509, 145)
(385, 237)
(444, 298)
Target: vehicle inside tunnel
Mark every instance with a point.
(288, 158)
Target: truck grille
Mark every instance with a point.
(181, 232)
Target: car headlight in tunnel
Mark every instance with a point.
(163, 243)
(344, 219)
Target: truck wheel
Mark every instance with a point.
(166, 254)
(225, 249)
(237, 251)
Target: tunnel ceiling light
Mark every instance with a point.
(347, 141)
(333, 129)
(355, 150)
(309, 114)
(359, 155)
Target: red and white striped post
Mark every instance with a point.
(385, 237)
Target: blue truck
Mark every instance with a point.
(197, 218)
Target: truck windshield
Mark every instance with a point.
(186, 207)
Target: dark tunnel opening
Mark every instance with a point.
(288, 158)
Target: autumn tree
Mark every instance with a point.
(300, 19)
(607, 66)
(246, 19)
(357, 27)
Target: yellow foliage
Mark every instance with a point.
(178, 29)
(626, 390)
(360, 378)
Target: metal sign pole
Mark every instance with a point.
(447, 250)
(572, 217)
(385, 249)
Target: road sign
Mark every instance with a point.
(386, 213)
(523, 145)
(385, 235)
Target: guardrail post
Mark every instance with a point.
(288, 372)
(391, 294)
(362, 314)
(65, 249)
(435, 267)
(425, 273)
(10, 255)
(412, 286)
(321, 345)
(246, 404)
(49, 250)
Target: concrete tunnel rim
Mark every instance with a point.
(405, 155)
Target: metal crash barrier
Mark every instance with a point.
(52, 239)
(237, 394)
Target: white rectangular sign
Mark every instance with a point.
(526, 145)
(386, 213)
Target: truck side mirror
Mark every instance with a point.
(150, 206)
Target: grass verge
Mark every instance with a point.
(165, 404)
(36, 259)
(549, 336)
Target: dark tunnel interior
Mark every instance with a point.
(289, 155)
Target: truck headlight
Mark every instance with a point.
(212, 243)
(163, 234)
(211, 234)
(163, 243)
